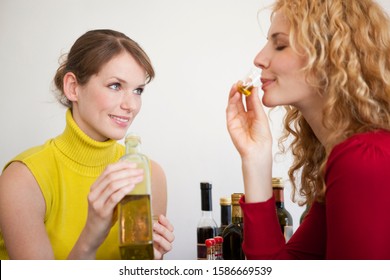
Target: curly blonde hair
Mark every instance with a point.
(347, 43)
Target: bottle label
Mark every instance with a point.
(202, 251)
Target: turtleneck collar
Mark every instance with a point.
(83, 150)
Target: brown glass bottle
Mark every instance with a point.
(284, 217)
(233, 233)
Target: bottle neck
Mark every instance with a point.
(207, 214)
(226, 214)
(131, 149)
(279, 197)
(236, 214)
(206, 201)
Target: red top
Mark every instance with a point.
(354, 222)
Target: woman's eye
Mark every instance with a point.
(115, 86)
(138, 91)
(280, 47)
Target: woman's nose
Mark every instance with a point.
(129, 101)
(262, 60)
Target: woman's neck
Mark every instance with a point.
(313, 116)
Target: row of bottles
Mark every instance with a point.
(231, 227)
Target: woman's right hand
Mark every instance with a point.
(248, 127)
(251, 135)
(117, 180)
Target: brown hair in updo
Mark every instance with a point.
(91, 51)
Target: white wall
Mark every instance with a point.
(199, 49)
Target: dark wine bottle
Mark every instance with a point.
(284, 217)
(233, 233)
(207, 227)
(226, 213)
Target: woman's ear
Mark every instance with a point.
(70, 86)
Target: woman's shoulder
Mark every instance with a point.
(378, 139)
(366, 150)
(35, 152)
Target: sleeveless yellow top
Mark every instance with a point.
(65, 168)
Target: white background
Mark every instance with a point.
(198, 48)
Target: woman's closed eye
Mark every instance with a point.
(280, 48)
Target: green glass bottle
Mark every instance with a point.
(135, 209)
(284, 217)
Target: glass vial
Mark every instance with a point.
(284, 217)
(233, 234)
(135, 209)
(207, 227)
(226, 213)
(210, 248)
(218, 247)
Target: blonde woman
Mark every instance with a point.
(328, 63)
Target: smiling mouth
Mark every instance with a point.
(266, 82)
(119, 119)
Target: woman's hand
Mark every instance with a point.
(251, 135)
(248, 127)
(117, 180)
(162, 237)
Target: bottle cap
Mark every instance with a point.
(132, 138)
(209, 242)
(205, 186)
(277, 182)
(226, 201)
(218, 239)
(206, 199)
(236, 198)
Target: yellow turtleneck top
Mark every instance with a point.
(65, 167)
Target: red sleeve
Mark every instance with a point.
(264, 240)
(262, 236)
(354, 222)
(358, 198)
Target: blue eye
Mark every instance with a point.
(138, 91)
(115, 86)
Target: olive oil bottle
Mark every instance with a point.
(135, 209)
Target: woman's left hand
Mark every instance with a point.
(163, 237)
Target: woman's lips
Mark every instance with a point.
(266, 82)
(120, 120)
